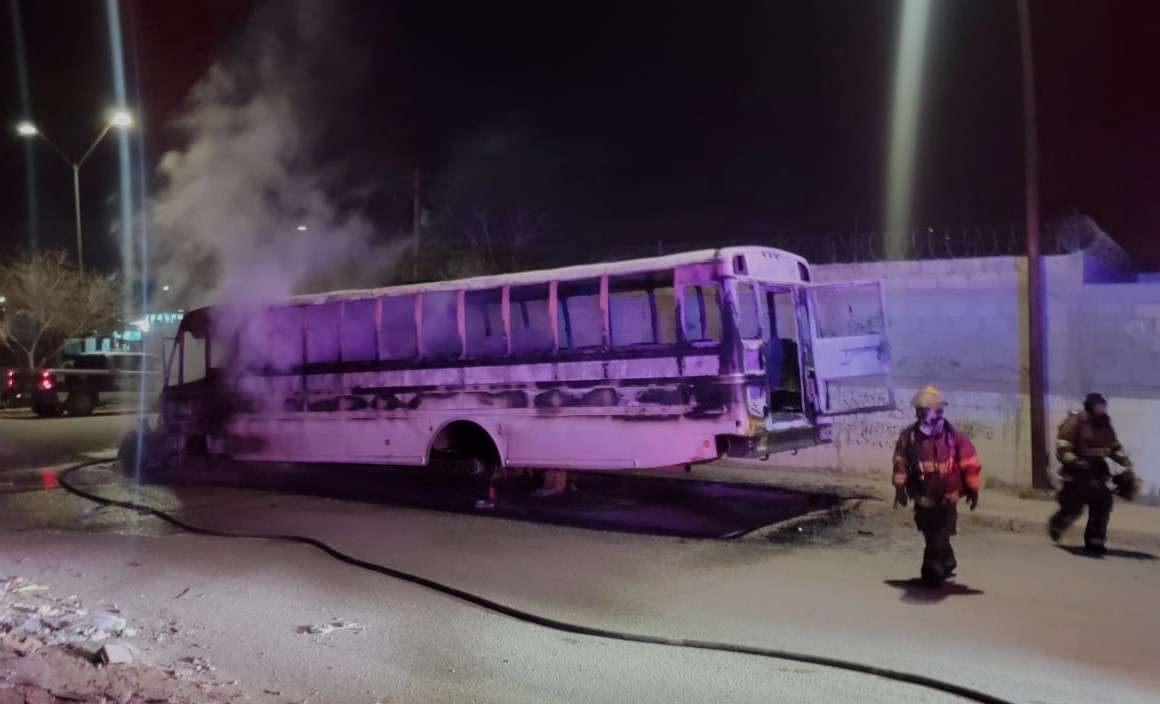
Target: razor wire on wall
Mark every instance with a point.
(1066, 236)
(1073, 234)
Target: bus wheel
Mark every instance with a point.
(80, 403)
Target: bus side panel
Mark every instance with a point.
(330, 438)
(604, 442)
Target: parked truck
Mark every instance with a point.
(86, 382)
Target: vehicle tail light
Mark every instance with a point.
(47, 382)
(10, 380)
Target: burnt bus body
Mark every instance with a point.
(660, 362)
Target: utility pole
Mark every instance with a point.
(1035, 362)
(416, 219)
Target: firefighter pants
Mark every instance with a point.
(937, 524)
(1081, 491)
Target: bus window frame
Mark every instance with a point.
(735, 283)
(668, 276)
(342, 328)
(562, 304)
(722, 319)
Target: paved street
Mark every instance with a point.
(1025, 620)
(27, 441)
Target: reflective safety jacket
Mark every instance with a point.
(1080, 438)
(935, 469)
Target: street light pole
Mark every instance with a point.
(77, 208)
(120, 119)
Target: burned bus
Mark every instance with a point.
(647, 363)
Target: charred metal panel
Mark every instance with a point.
(640, 368)
(702, 365)
(502, 399)
(665, 396)
(323, 404)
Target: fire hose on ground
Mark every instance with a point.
(528, 617)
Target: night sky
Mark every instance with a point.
(641, 121)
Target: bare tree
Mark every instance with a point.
(498, 243)
(50, 301)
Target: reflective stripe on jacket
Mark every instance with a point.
(936, 468)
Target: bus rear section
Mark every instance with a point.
(804, 353)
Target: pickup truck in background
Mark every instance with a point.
(86, 382)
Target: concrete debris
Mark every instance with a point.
(58, 630)
(115, 654)
(22, 585)
(21, 644)
(327, 628)
(83, 647)
(38, 696)
(109, 622)
(198, 664)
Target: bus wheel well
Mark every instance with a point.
(466, 439)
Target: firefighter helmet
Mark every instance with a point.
(928, 397)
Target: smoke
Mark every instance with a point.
(228, 216)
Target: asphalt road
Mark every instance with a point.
(28, 441)
(1025, 620)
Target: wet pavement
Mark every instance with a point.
(596, 500)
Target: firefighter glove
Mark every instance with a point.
(972, 497)
(900, 497)
(1127, 484)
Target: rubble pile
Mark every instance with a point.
(54, 649)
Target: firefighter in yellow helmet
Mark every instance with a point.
(935, 465)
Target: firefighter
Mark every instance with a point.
(935, 465)
(1085, 442)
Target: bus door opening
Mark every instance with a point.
(782, 354)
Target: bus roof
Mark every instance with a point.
(196, 318)
(568, 273)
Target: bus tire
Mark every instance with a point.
(80, 403)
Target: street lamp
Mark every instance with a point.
(119, 118)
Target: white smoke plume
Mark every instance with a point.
(227, 216)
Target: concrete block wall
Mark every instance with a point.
(961, 324)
